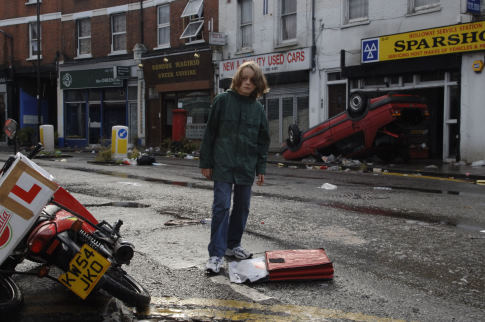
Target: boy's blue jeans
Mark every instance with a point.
(227, 231)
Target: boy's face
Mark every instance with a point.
(247, 83)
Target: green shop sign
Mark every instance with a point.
(103, 77)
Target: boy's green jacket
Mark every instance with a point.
(236, 140)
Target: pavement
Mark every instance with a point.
(419, 167)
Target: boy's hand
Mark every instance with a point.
(207, 173)
(260, 180)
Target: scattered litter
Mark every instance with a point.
(182, 222)
(460, 163)
(333, 168)
(328, 186)
(482, 231)
(135, 184)
(328, 158)
(431, 166)
(376, 170)
(382, 188)
(249, 269)
(323, 167)
(189, 157)
(281, 165)
(206, 221)
(478, 163)
(293, 167)
(145, 160)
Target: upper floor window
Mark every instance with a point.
(193, 14)
(420, 5)
(356, 10)
(245, 23)
(163, 28)
(83, 37)
(288, 20)
(33, 37)
(118, 32)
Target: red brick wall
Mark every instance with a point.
(60, 35)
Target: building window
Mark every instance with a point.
(245, 23)
(84, 37)
(194, 19)
(288, 20)
(163, 28)
(118, 32)
(33, 36)
(356, 10)
(423, 5)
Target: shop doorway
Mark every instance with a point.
(154, 125)
(169, 103)
(94, 123)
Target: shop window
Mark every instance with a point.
(118, 32)
(163, 28)
(336, 99)
(416, 6)
(194, 20)
(83, 37)
(74, 95)
(356, 11)
(245, 23)
(374, 81)
(113, 114)
(197, 107)
(303, 118)
(114, 94)
(33, 37)
(408, 79)
(287, 20)
(334, 76)
(95, 95)
(132, 93)
(432, 76)
(273, 108)
(75, 120)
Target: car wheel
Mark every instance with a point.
(357, 104)
(293, 135)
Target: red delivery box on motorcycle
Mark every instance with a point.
(24, 190)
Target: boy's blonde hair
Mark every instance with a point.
(259, 80)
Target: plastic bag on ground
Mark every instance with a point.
(249, 269)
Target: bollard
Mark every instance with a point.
(119, 142)
(46, 132)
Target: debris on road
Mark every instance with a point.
(251, 270)
(328, 186)
(478, 163)
(182, 222)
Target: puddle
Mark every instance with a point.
(122, 204)
(422, 218)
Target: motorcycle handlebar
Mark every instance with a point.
(36, 150)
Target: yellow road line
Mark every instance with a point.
(239, 310)
(424, 177)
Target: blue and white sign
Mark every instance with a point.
(122, 133)
(473, 6)
(370, 50)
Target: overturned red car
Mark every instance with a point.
(389, 126)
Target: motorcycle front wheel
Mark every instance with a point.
(10, 294)
(124, 287)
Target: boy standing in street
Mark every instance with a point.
(233, 151)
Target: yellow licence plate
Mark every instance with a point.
(85, 270)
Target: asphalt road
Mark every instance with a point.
(403, 247)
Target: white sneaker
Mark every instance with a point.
(214, 264)
(239, 253)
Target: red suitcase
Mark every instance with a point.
(298, 264)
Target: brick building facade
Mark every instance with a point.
(93, 65)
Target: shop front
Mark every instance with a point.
(288, 99)
(436, 64)
(182, 80)
(93, 100)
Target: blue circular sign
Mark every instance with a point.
(122, 133)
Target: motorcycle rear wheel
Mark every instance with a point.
(124, 287)
(11, 296)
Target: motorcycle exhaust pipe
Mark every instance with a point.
(123, 252)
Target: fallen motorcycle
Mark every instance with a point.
(42, 222)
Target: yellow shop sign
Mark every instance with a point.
(426, 42)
